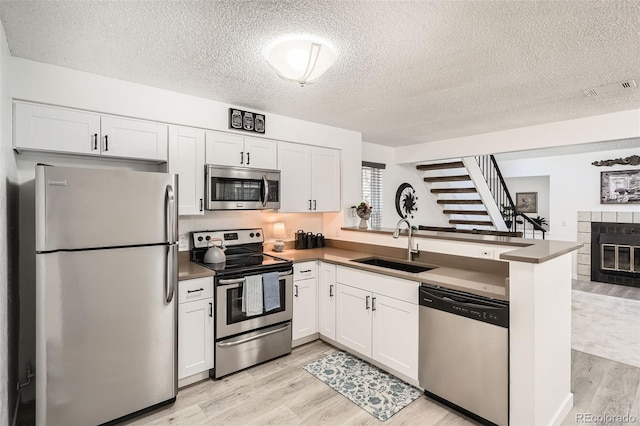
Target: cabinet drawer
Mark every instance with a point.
(378, 283)
(195, 289)
(304, 270)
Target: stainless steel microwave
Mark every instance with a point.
(238, 188)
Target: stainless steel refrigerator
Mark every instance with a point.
(106, 276)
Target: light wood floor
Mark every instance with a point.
(280, 392)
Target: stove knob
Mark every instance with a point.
(208, 238)
(199, 238)
(257, 234)
(251, 235)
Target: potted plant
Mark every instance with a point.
(363, 210)
(508, 214)
(540, 221)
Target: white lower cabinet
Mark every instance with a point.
(195, 327)
(375, 325)
(327, 300)
(305, 300)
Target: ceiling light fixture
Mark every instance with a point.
(300, 60)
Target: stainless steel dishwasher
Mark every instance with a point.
(464, 352)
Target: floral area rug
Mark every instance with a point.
(378, 393)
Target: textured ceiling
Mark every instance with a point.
(407, 72)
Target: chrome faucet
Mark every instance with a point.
(396, 234)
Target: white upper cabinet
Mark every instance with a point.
(310, 178)
(186, 158)
(126, 138)
(62, 130)
(44, 128)
(226, 149)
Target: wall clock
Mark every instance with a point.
(406, 201)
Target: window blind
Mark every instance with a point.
(372, 190)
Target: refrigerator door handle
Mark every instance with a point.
(170, 206)
(171, 279)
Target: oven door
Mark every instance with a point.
(237, 188)
(230, 320)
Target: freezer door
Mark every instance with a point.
(88, 208)
(105, 334)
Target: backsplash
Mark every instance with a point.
(236, 219)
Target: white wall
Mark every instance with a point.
(538, 184)
(7, 177)
(605, 127)
(429, 212)
(574, 184)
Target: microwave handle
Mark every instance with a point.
(265, 182)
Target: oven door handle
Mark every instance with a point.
(248, 339)
(240, 280)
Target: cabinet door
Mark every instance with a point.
(395, 334)
(52, 129)
(294, 161)
(186, 149)
(127, 138)
(325, 179)
(195, 337)
(260, 153)
(327, 300)
(353, 319)
(224, 149)
(305, 308)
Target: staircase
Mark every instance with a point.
(456, 191)
(474, 196)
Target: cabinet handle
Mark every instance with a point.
(195, 291)
(248, 158)
(106, 142)
(241, 157)
(309, 204)
(296, 292)
(95, 141)
(201, 204)
(314, 204)
(367, 301)
(305, 271)
(211, 309)
(331, 290)
(373, 304)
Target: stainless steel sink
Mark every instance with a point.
(390, 264)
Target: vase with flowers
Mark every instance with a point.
(363, 210)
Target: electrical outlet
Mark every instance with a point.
(183, 243)
(486, 253)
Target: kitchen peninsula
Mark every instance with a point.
(534, 275)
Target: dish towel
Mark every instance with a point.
(271, 290)
(252, 295)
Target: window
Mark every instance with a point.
(372, 190)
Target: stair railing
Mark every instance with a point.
(512, 217)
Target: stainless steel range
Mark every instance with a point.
(253, 299)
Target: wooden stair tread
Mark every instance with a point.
(453, 190)
(470, 222)
(467, 212)
(453, 178)
(441, 166)
(459, 201)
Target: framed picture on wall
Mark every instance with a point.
(620, 187)
(527, 202)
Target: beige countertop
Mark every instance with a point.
(525, 250)
(188, 270)
(485, 283)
